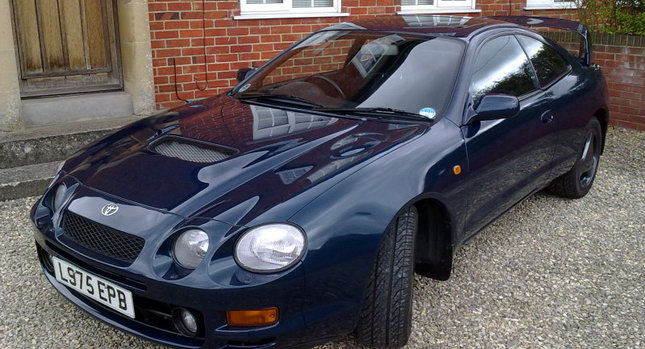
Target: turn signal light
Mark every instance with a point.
(247, 318)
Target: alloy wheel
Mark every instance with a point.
(589, 160)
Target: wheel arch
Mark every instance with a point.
(435, 238)
(603, 116)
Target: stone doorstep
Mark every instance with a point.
(29, 158)
(24, 181)
(46, 144)
(77, 107)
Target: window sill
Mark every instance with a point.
(438, 11)
(551, 7)
(289, 15)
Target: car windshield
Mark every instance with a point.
(349, 69)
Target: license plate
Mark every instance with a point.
(92, 286)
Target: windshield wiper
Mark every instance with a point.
(278, 98)
(377, 112)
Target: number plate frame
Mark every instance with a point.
(94, 287)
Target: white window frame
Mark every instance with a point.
(441, 6)
(286, 10)
(550, 5)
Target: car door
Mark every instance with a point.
(552, 71)
(508, 158)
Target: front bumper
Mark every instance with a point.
(157, 296)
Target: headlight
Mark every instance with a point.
(190, 248)
(270, 248)
(59, 197)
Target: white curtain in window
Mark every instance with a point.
(417, 2)
(262, 2)
(312, 3)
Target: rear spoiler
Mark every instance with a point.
(555, 23)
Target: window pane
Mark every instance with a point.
(271, 118)
(417, 2)
(262, 2)
(501, 67)
(547, 63)
(312, 3)
(435, 20)
(423, 80)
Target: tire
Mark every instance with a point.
(578, 181)
(386, 315)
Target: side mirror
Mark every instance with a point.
(244, 73)
(496, 106)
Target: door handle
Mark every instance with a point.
(547, 117)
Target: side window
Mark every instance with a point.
(501, 66)
(547, 62)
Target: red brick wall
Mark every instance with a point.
(176, 34)
(176, 37)
(624, 68)
(516, 8)
(308, 62)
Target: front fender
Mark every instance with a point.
(345, 225)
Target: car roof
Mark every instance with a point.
(433, 25)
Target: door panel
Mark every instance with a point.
(67, 46)
(28, 36)
(73, 26)
(52, 44)
(557, 79)
(509, 158)
(96, 34)
(571, 113)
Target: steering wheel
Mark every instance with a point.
(331, 82)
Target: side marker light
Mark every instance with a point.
(249, 318)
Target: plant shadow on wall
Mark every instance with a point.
(613, 16)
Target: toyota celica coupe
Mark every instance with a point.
(296, 208)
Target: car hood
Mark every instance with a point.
(230, 161)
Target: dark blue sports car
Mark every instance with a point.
(296, 208)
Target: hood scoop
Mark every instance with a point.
(190, 150)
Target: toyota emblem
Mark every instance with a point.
(109, 209)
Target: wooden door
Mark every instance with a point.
(67, 46)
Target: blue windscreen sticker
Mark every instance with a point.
(428, 112)
(244, 88)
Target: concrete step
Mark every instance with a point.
(45, 144)
(24, 181)
(75, 107)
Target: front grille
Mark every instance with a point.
(192, 152)
(102, 239)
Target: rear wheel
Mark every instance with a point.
(386, 316)
(577, 182)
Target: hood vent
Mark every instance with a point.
(190, 151)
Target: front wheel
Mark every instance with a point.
(386, 316)
(577, 182)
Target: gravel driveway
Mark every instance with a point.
(550, 273)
